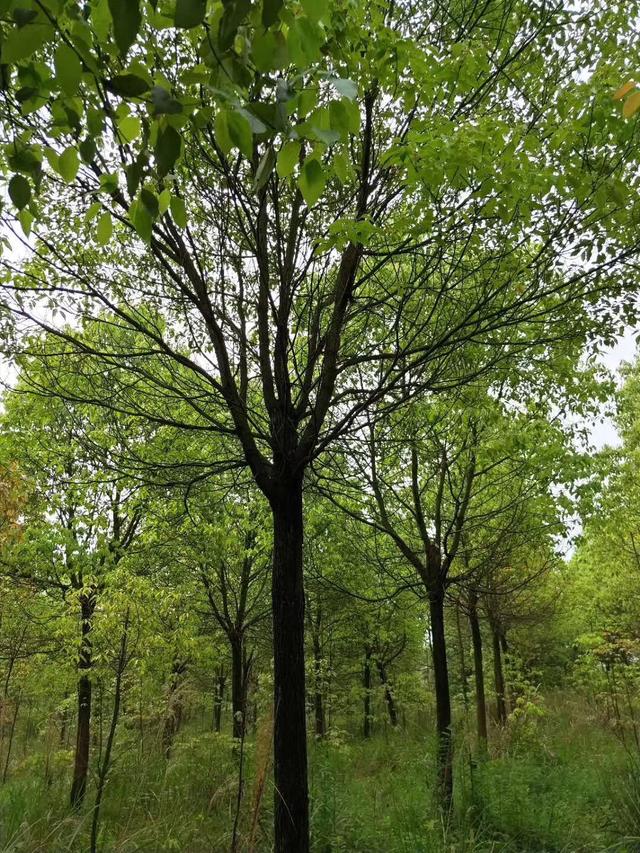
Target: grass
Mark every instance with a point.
(566, 787)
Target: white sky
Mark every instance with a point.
(603, 430)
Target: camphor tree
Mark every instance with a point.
(81, 519)
(316, 198)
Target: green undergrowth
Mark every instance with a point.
(567, 786)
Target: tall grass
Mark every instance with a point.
(567, 789)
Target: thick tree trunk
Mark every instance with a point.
(238, 687)
(318, 698)
(388, 694)
(443, 700)
(291, 819)
(498, 674)
(219, 686)
(83, 731)
(366, 683)
(478, 666)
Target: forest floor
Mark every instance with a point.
(559, 782)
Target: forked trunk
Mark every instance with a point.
(291, 819)
(478, 667)
(443, 700)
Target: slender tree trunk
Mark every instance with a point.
(388, 694)
(238, 686)
(366, 683)
(105, 763)
(478, 666)
(498, 674)
(219, 686)
(12, 731)
(173, 716)
(443, 700)
(64, 719)
(83, 731)
(291, 819)
(510, 695)
(318, 698)
(463, 662)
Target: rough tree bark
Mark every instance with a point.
(478, 667)
(290, 748)
(238, 686)
(83, 731)
(443, 700)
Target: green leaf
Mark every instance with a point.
(271, 12)
(68, 69)
(347, 88)
(150, 201)
(93, 211)
(22, 42)
(234, 14)
(19, 191)
(221, 129)
(240, 133)
(128, 85)
(233, 130)
(23, 16)
(316, 9)
(190, 13)
(163, 103)
(312, 181)
(288, 157)
(26, 219)
(129, 128)
(178, 211)
(104, 229)
(127, 21)
(88, 149)
(134, 175)
(264, 170)
(68, 164)
(95, 121)
(164, 200)
(167, 149)
(141, 220)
